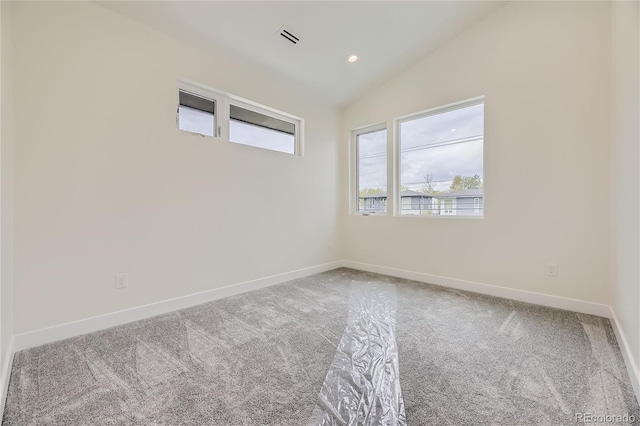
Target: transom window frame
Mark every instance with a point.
(202, 92)
(298, 123)
(394, 199)
(223, 102)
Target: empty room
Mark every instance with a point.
(319, 212)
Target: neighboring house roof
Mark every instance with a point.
(409, 193)
(464, 193)
(376, 195)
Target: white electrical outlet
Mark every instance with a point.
(552, 269)
(122, 281)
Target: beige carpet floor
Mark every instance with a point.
(261, 358)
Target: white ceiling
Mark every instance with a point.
(388, 36)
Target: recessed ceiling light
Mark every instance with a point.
(453, 130)
(352, 59)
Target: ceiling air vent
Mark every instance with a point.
(289, 35)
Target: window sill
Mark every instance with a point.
(436, 217)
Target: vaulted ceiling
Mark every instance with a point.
(387, 36)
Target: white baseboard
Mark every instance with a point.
(629, 360)
(6, 373)
(101, 322)
(568, 304)
(574, 305)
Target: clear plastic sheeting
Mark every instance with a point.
(362, 386)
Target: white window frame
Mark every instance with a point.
(261, 109)
(203, 92)
(397, 160)
(354, 198)
(223, 102)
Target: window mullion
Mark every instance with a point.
(223, 119)
(392, 169)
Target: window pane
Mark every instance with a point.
(372, 171)
(261, 137)
(195, 121)
(196, 114)
(441, 158)
(255, 129)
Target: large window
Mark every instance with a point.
(371, 170)
(441, 161)
(225, 117)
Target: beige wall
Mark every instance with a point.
(6, 183)
(625, 171)
(544, 70)
(104, 183)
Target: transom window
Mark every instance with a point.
(248, 127)
(196, 114)
(225, 117)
